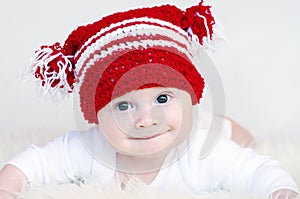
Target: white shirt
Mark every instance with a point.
(227, 167)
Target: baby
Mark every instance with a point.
(137, 87)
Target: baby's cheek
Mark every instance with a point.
(116, 138)
(110, 130)
(182, 116)
(174, 118)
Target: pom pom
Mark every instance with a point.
(198, 21)
(53, 70)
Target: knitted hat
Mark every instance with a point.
(125, 51)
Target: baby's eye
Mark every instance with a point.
(123, 106)
(161, 99)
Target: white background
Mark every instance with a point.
(259, 62)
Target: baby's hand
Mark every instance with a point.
(11, 181)
(283, 194)
(5, 195)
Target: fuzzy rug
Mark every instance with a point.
(283, 148)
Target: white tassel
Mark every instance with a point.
(205, 24)
(194, 41)
(41, 60)
(208, 42)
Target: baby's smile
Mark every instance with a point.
(149, 137)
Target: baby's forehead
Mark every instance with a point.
(152, 92)
(146, 92)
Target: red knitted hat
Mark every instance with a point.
(125, 51)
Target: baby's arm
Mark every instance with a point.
(240, 135)
(11, 181)
(258, 174)
(231, 129)
(39, 165)
(244, 138)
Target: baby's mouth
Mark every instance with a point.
(149, 137)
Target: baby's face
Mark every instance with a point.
(147, 122)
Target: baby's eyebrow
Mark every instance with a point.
(166, 91)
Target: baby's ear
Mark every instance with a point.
(99, 120)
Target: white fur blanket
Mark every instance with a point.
(283, 148)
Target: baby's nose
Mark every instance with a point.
(144, 118)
